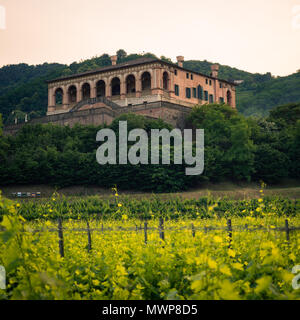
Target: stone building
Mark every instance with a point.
(147, 86)
(140, 82)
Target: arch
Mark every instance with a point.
(100, 88)
(165, 80)
(115, 86)
(72, 94)
(58, 96)
(130, 84)
(146, 81)
(86, 91)
(229, 98)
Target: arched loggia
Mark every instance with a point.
(130, 84)
(58, 96)
(146, 81)
(115, 87)
(100, 88)
(72, 94)
(165, 81)
(86, 91)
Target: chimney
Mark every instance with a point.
(114, 60)
(215, 70)
(180, 60)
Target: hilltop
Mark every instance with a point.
(23, 88)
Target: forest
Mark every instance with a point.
(23, 88)
(237, 148)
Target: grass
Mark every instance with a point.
(290, 190)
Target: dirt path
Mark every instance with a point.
(220, 190)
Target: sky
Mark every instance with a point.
(252, 35)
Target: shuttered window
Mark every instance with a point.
(205, 95)
(200, 93)
(211, 98)
(176, 90)
(188, 93)
(194, 93)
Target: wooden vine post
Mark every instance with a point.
(89, 247)
(161, 229)
(229, 227)
(61, 238)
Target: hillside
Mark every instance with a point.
(23, 88)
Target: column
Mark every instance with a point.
(93, 89)
(171, 84)
(65, 96)
(138, 88)
(108, 90)
(51, 101)
(159, 79)
(79, 92)
(154, 79)
(123, 89)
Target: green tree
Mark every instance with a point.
(121, 54)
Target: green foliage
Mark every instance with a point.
(24, 87)
(236, 149)
(170, 208)
(64, 156)
(284, 115)
(229, 149)
(121, 54)
(254, 263)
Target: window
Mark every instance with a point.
(194, 93)
(221, 100)
(176, 90)
(205, 95)
(187, 75)
(211, 98)
(210, 82)
(200, 92)
(206, 81)
(221, 85)
(175, 72)
(188, 92)
(191, 77)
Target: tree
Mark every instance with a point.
(121, 54)
(228, 145)
(166, 59)
(270, 164)
(287, 114)
(240, 156)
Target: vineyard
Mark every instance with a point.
(89, 248)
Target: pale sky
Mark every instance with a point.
(252, 35)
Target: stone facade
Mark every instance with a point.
(149, 87)
(139, 81)
(169, 112)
